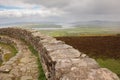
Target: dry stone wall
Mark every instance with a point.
(59, 60)
(7, 41)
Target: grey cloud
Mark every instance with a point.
(76, 10)
(81, 6)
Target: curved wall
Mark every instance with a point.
(59, 60)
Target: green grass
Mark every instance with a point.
(81, 31)
(41, 72)
(111, 64)
(77, 30)
(9, 46)
(12, 50)
(0, 63)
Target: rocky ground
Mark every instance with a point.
(23, 66)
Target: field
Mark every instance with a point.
(105, 49)
(60, 30)
(83, 31)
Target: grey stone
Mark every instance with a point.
(25, 60)
(91, 63)
(26, 78)
(63, 63)
(64, 53)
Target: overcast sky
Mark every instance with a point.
(59, 10)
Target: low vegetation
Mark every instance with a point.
(112, 64)
(41, 72)
(81, 31)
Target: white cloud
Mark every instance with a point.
(16, 3)
(30, 12)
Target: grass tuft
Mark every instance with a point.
(111, 64)
(12, 50)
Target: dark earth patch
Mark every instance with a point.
(97, 46)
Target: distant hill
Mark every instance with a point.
(95, 23)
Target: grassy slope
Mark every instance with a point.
(111, 64)
(83, 31)
(11, 48)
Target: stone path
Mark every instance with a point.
(23, 66)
